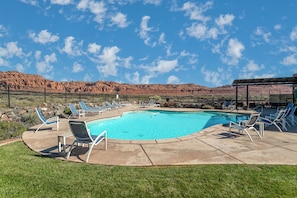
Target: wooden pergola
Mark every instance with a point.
(264, 81)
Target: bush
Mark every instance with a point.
(11, 129)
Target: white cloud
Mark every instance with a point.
(77, 67)
(201, 31)
(87, 78)
(3, 31)
(234, 52)
(11, 49)
(277, 26)
(127, 61)
(213, 77)
(108, 61)
(70, 46)
(265, 35)
(44, 37)
(94, 48)
(120, 20)
(173, 80)
(290, 60)
(3, 62)
(61, 2)
(162, 38)
(134, 78)
(155, 2)
(95, 7)
(197, 12)
(83, 5)
(165, 66)
(30, 2)
(250, 70)
(20, 68)
(293, 34)
(145, 30)
(45, 65)
(98, 9)
(224, 20)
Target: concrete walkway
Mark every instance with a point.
(214, 145)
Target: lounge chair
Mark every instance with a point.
(117, 104)
(246, 125)
(47, 122)
(291, 116)
(228, 105)
(76, 113)
(88, 109)
(110, 106)
(151, 103)
(278, 121)
(82, 135)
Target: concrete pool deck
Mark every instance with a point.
(214, 145)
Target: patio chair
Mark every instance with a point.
(291, 116)
(82, 135)
(118, 104)
(88, 109)
(227, 104)
(278, 121)
(246, 125)
(110, 106)
(76, 113)
(47, 122)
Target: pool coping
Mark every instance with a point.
(213, 145)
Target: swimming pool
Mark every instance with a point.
(159, 124)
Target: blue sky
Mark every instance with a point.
(208, 43)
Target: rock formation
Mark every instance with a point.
(20, 81)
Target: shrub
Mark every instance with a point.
(10, 130)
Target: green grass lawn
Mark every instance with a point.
(25, 173)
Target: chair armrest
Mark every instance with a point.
(52, 119)
(103, 134)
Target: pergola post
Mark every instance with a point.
(236, 97)
(247, 97)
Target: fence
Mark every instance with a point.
(23, 96)
(11, 98)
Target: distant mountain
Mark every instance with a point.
(21, 81)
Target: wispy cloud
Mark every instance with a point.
(61, 2)
(145, 30)
(234, 52)
(71, 47)
(108, 61)
(120, 20)
(44, 65)
(43, 37)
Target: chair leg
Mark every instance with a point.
(248, 134)
(89, 152)
(257, 132)
(70, 150)
(38, 127)
(277, 127)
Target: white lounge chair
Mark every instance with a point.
(110, 106)
(278, 121)
(76, 113)
(246, 125)
(47, 122)
(117, 104)
(82, 135)
(291, 116)
(88, 109)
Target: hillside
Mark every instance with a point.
(21, 81)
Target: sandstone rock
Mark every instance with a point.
(20, 81)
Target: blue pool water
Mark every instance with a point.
(155, 124)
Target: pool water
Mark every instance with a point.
(155, 124)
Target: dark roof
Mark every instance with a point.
(265, 81)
